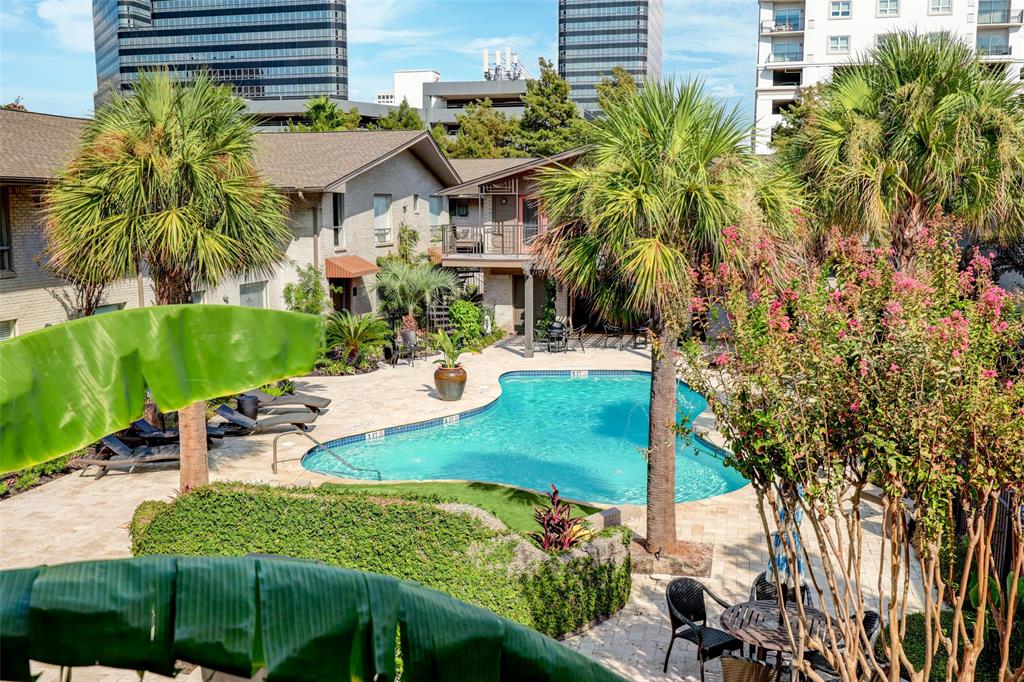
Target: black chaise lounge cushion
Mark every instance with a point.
(148, 431)
(314, 403)
(238, 424)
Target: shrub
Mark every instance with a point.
(355, 337)
(467, 320)
(309, 294)
(559, 529)
(568, 593)
(988, 663)
(409, 538)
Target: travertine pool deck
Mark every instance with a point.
(80, 517)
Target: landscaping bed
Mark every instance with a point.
(451, 547)
(19, 481)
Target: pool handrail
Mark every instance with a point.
(329, 450)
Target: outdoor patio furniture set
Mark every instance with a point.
(560, 335)
(144, 444)
(756, 624)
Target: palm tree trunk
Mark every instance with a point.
(194, 468)
(192, 438)
(661, 462)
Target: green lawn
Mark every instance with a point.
(514, 506)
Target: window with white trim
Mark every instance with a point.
(415, 204)
(108, 308)
(7, 329)
(253, 295)
(6, 263)
(338, 218)
(940, 7)
(888, 8)
(839, 10)
(382, 218)
(839, 45)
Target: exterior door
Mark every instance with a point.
(341, 294)
(504, 215)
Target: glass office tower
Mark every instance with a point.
(596, 35)
(264, 48)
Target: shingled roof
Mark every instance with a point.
(471, 169)
(319, 161)
(34, 147)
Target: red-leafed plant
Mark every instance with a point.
(559, 529)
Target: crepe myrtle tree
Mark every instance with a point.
(858, 375)
(164, 181)
(667, 170)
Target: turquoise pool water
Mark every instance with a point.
(582, 434)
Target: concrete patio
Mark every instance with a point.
(80, 517)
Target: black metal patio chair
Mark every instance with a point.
(612, 331)
(764, 589)
(688, 615)
(407, 345)
(577, 334)
(640, 334)
(736, 669)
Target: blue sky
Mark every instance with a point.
(46, 46)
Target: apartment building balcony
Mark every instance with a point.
(782, 27)
(783, 58)
(1001, 17)
(994, 51)
(488, 245)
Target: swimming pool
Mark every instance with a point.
(581, 431)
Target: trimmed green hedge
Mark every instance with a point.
(406, 538)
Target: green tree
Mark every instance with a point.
(483, 133)
(324, 115)
(668, 172)
(402, 118)
(164, 179)
(404, 286)
(440, 135)
(309, 293)
(551, 122)
(618, 85)
(922, 128)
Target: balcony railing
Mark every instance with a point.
(993, 49)
(490, 239)
(782, 26)
(1000, 16)
(787, 56)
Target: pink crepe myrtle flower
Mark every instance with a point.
(854, 406)
(722, 359)
(863, 367)
(988, 373)
(731, 234)
(894, 368)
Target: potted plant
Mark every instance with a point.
(450, 376)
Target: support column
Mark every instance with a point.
(528, 310)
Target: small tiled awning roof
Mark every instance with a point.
(348, 267)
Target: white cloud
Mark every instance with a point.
(69, 21)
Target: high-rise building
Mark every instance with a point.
(266, 49)
(800, 43)
(596, 35)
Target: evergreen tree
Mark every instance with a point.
(440, 135)
(615, 87)
(551, 122)
(483, 133)
(325, 115)
(402, 118)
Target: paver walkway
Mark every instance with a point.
(79, 517)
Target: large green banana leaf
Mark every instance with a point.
(299, 620)
(69, 385)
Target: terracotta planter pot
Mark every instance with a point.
(450, 382)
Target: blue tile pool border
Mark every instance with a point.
(715, 450)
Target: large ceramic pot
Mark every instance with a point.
(450, 382)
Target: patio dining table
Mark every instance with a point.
(760, 624)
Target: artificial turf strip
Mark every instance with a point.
(514, 506)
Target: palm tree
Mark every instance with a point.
(405, 285)
(667, 172)
(164, 180)
(921, 128)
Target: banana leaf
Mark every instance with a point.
(69, 385)
(298, 620)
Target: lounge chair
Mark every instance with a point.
(125, 457)
(312, 403)
(238, 424)
(154, 436)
